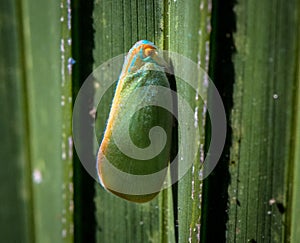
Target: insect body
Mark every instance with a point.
(136, 112)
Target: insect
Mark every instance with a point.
(136, 95)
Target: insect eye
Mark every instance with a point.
(149, 51)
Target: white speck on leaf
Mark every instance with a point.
(37, 176)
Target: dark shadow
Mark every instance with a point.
(215, 188)
(82, 47)
(174, 149)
